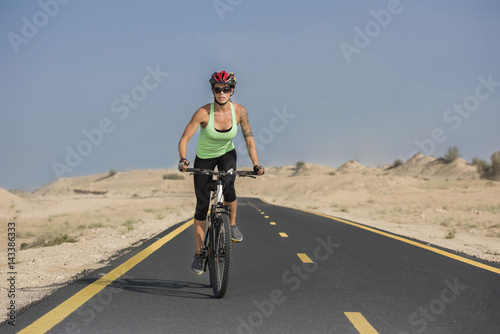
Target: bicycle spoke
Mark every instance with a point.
(221, 255)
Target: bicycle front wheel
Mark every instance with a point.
(220, 261)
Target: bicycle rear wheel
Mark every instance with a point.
(220, 261)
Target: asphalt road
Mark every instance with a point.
(294, 272)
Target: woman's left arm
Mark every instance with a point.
(248, 136)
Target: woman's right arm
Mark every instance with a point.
(198, 118)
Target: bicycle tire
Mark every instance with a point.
(208, 259)
(220, 261)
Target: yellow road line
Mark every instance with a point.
(254, 206)
(272, 223)
(266, 216)
(360, 323)
(262, 213)
(414, 243)
(52, 318)
(283, 234)
(408, 241)
(304, 258)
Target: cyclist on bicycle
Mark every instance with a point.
(219, 124)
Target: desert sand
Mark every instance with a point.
(445, 204)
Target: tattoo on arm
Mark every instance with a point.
(245, 126)
(247, 133)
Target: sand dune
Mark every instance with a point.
(8, 198)
(425, 166)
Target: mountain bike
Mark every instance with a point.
(217, 246)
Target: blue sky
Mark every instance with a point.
(89, 86)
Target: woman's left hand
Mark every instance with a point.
(259, 170)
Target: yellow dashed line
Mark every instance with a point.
(360, 323)
(272, 223)
(266, 216)
(283, 234)
(408, 241)
(304, 258)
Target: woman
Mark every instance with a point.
(219, 124)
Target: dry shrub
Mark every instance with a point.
(452, 154)
(488, 170)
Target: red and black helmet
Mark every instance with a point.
(223, 77)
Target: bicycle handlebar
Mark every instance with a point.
(248, 173)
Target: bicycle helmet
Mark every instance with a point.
(223, 77)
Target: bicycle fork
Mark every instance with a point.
(207, 244)
(217, 207)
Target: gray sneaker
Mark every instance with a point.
(197, 266)
(236, 235)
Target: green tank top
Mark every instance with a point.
(213, 143)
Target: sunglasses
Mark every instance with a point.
(218, 90)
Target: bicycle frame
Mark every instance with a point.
(218, 194)
(217, 207)
(217, 243)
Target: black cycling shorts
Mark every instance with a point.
(202, 182)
